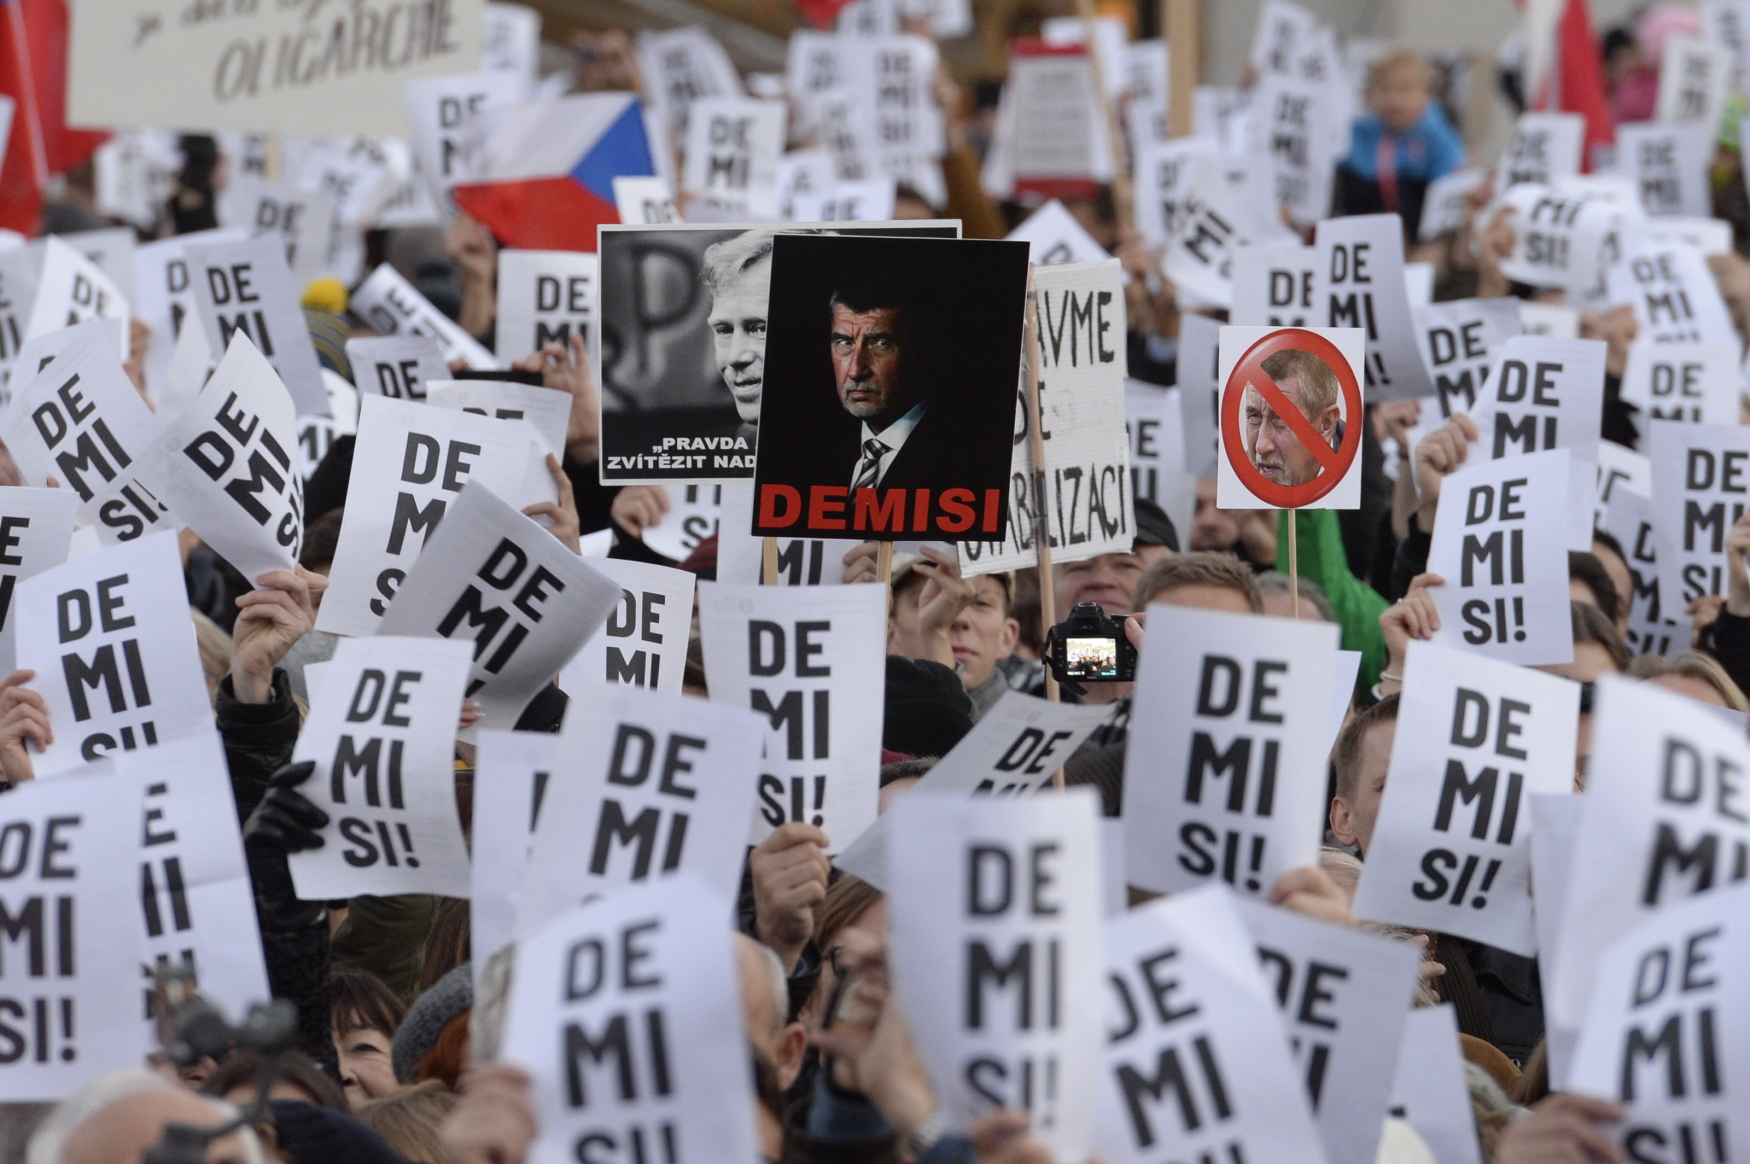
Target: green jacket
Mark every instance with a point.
(1357, 605)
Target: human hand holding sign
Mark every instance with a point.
(566, 367)
(494, 1122)
(789, 871)
(24, 719)
(270, 619)
(1440, 453)
(1411, 617)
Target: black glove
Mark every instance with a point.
(284, 822)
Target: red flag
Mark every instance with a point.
(1580, 80)
(33, 72)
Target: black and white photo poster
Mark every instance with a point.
(1701, 484)
(410, 462)
(36, 529)
(69, 1006)
(994, 914)
(1225, 772)
(114, 652)
(246, 287)
(649, 785)
(681, 381)
(382, 730)
(226, 465)
(812, 661)
(1500, 543)
(628, 1015)
(1451, 847)
(398, 366)
(643, 642)
(1197, 1062)
(492, 576)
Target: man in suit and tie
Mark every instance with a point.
(875, 360)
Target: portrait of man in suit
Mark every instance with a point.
(876, 381)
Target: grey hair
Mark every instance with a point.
(49, 1144)
(1276, 582)
(778, 981)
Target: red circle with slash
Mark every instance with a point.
(1250, 370)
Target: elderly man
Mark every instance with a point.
(738, 273)
(1272, 439)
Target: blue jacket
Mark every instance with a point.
(1430, 149)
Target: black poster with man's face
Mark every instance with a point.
(681, 365)
(889, 402)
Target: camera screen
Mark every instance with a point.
(1092, 658)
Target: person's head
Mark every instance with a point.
(428, 1021)
(296, 1077)
(320, 539)
(1212, 528)
(1398, 85)
(1108, 580)
(1589, 582)
(738, 273)
(1202, 580)
(1156, 537)
(870, 370)
(778, 1044)
(364, 1017)
(983, 634)
(1610, 555)
(1279, 603)
(908, 203)
(117, 1117)
(1598, 649)
(1359, 761)
(1691, 674)
(1275, 446)
(409, 1121)
(899, 778)
(850, 903)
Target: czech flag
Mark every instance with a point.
(33, 73)
(541, 175)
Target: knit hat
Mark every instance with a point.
(426, 1019)
(320, 1135)
(1154, 527)
(928, 709)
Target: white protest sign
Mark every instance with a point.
(643, 642)
(1013, 750)
(1218, 213)
(1157, 452)
(114, 652)
(1668, 165)
(1541, 148)
(801, 174)
(36, 354)
(225, 465)
(36, 528)
(1087, 509)
(1446, 205)
(410, 461)
(628, 1015)
(1547, 394)
(71, 289)
(19, 269)
(692, 516)
(1197, 1063)
(1675, 296)
(1728, 23)
(891, 79)
(1335, 989)
(546, 410)
(983, 890)
(1549, 319)
(164, 298)
(127, 510)
(864, 200)
(1294, 123)
(316, 433)
(389, 304)
(1499, 542)
(381, 730)
(1651, 628)
(492, 575)
(438, 109)
(1281, 34)
(195, 895)
(1667, 1030)
(303, 221)
(68, 986)
(1290, 446)
(801, 561)
(1555, 821)
(1227, 749)
(1359, 282)
(1564, 237)
(1663, 822)
(246, 287)
(1200, 380)
(1430, 1092)
(544, 297)
(512, 772)
(812, 661)
(680, 66)
(1693, 73)
(1701, 483)
(511, 40)
(1458, 340)
(732, 150)
(645, 200)
(1451, 847)
(650, 785)
(1273, 285)
(397, 366)
(1053, 235)
(1695, 383)
(1163, 179)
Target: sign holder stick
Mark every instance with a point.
(884, 562)
(1293, 563)
(1036, 440)
(1179, 21)
(769, 562)
(1122, 199)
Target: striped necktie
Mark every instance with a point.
(869, 468)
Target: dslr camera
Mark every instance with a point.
(1089, 646)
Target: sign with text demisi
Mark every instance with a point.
(544, 297)
(995, 918)
(114, 652)
(810, 659)
(410, 462)
(68, 1012)
(643, 643)
(36, 531)
(1701, 485)
(1451, 851)
(1227, 754)
(398, 366)
(381, 731)
(247, 287)
(628, 1014)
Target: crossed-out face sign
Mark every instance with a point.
(1290, 417)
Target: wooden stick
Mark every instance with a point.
(884, 562)
(769, 562)
(1293, 563)
(1122, 199)
(1041, 531)
(1179, 24)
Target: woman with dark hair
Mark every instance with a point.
(365, 1014)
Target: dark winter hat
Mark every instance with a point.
(320, 1135)
(426, 1019)
(928, 709)
(1154, 527)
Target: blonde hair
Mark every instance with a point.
(1692, 665)
(215, 651)
(1200, 568)
(409, 1120)
(1399, 58)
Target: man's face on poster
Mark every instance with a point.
(1277, 452)
(865, 362)
(738, 335)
